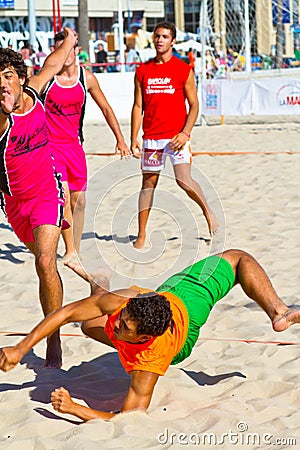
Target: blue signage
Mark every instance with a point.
(285, 6)
(7, 4)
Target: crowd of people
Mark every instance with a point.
(217, 65)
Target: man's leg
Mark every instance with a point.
(67, 235)
(191, 187)
(99, 284)
(44, 249)
(149, 183)
(257, 285)
(78, 203)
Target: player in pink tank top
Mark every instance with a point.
(162, 87)
(31, 191)
(65, 98)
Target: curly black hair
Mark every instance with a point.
(9, 58)
(151, 312)
(168, 26)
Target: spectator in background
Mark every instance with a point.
(238, 62)
(210, 64)
(192, 58)
(38, 58)
(230, 57)
(83, 56)
(131, 58)
(101, 58)
(221, 66)
(25, 53)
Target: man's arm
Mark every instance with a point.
(190, 88)
(192, 98)
(86, 309)
(100, 99)
(138, 397)
(54, 62)
(136, 118)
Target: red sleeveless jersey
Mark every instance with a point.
(164, 105)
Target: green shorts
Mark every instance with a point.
(199, 286)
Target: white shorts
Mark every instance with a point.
(155, 153)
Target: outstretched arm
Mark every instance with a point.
(54, 62)
(86, 309)
(138, 397)
(100, 99)
(81, 310)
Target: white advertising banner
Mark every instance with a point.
(237, 98)
(276, 96)
(269, 96)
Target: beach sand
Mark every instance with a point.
(229, 393)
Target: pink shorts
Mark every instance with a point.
(70, 163)
(25, 215)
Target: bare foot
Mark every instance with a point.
(99, 281)
(213, 224)
(139, 243)
(54, 353)
(71, 257)
(281, 323)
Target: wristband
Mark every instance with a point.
(4, 112)
(187, 135)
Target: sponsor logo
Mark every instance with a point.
(159, 86)
(289, 95)
(211, 101)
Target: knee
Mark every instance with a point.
(78, 202)
(85, 329)
(185, 184)
(45, 264)
(237, 258)
(149, 184)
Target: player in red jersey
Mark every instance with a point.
(162, 86)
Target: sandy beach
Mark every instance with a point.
(240, 387)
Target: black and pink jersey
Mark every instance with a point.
(65, 108)
(26, 164)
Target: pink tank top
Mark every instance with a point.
(65, 107)
(26, 165)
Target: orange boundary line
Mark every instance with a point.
(100, 154)
(249, 341)
(225, 153)
(246, 153)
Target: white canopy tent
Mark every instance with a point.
(191, 43)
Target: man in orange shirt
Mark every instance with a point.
(151, 330)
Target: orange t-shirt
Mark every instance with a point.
(156, 354)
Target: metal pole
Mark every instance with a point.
(54, 17)
(128, 18)
(202, 24)
(31, 22)
(247, 38)
(202, 35)
(59, 16)
(121, 36)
